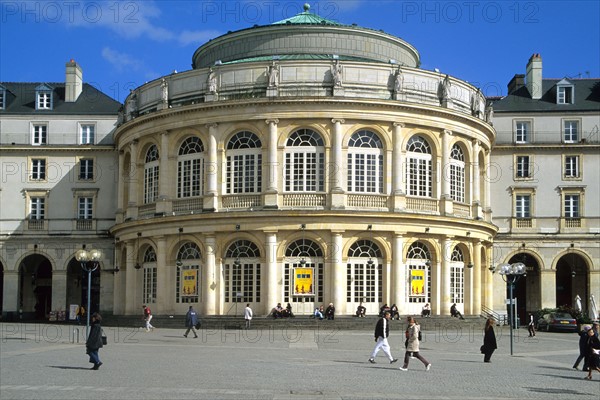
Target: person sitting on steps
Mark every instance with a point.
(455, 313)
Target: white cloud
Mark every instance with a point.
(121, 61)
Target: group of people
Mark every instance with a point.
(589, 349)
(321, 312)
(279, 312)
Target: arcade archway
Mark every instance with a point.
(527, 290)
(571, 280)
(35, 287)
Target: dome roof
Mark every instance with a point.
(306, 18)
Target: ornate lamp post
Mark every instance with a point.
(511, 273)
(89, 260)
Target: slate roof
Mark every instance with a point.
(20, 99)
(587, 98)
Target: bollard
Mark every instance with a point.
(73, 339)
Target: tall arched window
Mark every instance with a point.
(364, 278)
(242, 272)
(303, 274)
(190, 168)
(419, 273)
(149, 289)
(151, 169)
(244, 164)
(304, 162)
(457, 276)
(457, 174)
(418, 171)
(189, 276)
(365, 163)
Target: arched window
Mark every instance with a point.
(419, 273)
(151, 170)
(457, 174)
(189, 277)
(365, 163)
(244, 164)
(457, 276)
(242, 272)
(364, 278)
(304, 162)
(149, 287)
(190, 168)
(419, 168)
(303, 274)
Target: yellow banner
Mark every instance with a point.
(303, 281)
(190, 282)
(417, 282)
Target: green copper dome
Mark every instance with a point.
(306, 18)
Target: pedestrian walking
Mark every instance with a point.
(412, 345)
(382, 332)
(489, 340)
(191, 319)
(94, 341)
(531, 326)
(592, 353)
(583, 338)
(248, 315)
(147, 318)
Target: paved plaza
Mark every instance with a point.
(40, 361)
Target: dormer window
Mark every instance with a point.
(43, 97)
(565, 92)
(2, 98)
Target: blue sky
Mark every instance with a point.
(122, 44)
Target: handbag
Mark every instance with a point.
(104, 339)
(482, 349)
(198, 325)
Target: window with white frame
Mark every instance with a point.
(149, 279)
(304, 162)
(365, 163)
(85, 207)
(571, 131)
(2, 98)
(457, 276)
(44, 100)
(189, 275)
(419, 273)
(37, 208)
(151, 170)
(523, 206)
(571, 166)
(244, 164)
(523, 167)
(564, 94)
(364, 278)
(522, 131)
(39, 134)
(86, 169)
(571, 205)
(419, 167)
(190, 168)
(87, 134)
(242, 272)
(38, 169)
(457, 174)
(303, 273)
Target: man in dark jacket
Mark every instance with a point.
(583, 338)
(191, 319)
(94, 341)
(382, 331)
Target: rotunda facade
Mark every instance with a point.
(304, 162)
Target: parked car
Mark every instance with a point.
(557, 321)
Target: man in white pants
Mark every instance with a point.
(382, 331)
(248, 315)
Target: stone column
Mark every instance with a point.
(336, 167)
(133, 180)
(162, 290)
(119, 287)
(468, 274)
(445, 276)
(399, 274)
(548, 286)
(10, 301)
(398, 192)
(488, 190)
(489, 281)
(59, 290)
(211, 197)
(165, 179)
(476, 201)
(121, 182)
(209, 279)
(272, 167)
(339, 272)
(447, 205)
(131, 278)
(272, 288)
(478, 269)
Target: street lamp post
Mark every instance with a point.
(85, 257)
(511, 273)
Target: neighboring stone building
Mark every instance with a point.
(546, 189)
(305, 162)
(57, 193)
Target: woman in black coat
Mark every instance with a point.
(94, 341)
(489, 340)
(592, 353)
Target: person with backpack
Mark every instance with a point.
(147, 318)
(412, 345)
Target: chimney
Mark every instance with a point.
(534, 76)
(516, 83)
(73, 82)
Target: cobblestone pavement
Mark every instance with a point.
(40, 361)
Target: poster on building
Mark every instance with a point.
(417, 282)
(303, 281)
(190, 282)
